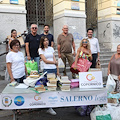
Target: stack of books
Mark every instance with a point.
(39, 88)
(64, 83)
(52, 84)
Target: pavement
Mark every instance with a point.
(63, 113)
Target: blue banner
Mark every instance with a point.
(14, 1)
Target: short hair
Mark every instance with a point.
(88, 43)
(14, 42)
(90, 29)
(118, 45)
(46, 25)
(42, 41)
(33, 24)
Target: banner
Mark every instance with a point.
(90, 79)
(53, 99)
(14, 1)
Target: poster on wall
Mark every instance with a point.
(13, 1)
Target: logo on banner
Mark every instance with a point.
(37, 97)
(53, 100)
(90, 77)
(6, 101)
(19, 101)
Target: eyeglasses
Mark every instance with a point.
(34, 27)
(16, 45)
(84, 42)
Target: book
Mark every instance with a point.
(51, 75)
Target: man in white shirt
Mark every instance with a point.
(94, 45)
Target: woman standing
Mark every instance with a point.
(15, 62)
(114, 68)
(13, 36)
(49, 62)
(83, 51)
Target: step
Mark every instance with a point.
(104, 65)
(2, 75)
(105, 49)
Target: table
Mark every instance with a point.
(14, 98)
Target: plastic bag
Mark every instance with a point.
(31, 65)
(99, 113)
(81, 110)
(114, 111)
(32, 81)
(83, 65)
(60, 63)
(111, 84)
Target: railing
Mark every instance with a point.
(6, 42)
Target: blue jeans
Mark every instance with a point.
(50, 71)
(20, 80)
(37, 59)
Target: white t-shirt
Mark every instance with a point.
(48, 53)
(94, 45)
(18, 66)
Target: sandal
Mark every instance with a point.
(17, 112)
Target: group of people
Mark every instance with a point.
(40, 47)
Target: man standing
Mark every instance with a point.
(65, 43)
(48, 35)
(32, 43)
(94, 44)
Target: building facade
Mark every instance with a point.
(102, 15)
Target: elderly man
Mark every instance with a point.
(32, 43)
(65, 43)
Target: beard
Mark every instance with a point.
(46, 31)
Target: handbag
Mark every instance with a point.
(83, 65)
(98, 65)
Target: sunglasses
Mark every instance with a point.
(84, 42)
(34, 27)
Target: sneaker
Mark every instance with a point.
(51, 111)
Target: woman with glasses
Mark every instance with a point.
(15, 62)
(83, 51)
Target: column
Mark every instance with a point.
(109, 23)
(71, 13)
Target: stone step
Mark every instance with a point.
(105, 56)
(104, 61)
(2, 75)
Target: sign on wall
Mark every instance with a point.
(14, 1)
(75, 6)
(90, 79)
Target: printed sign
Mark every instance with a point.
(14, 1)
(53, 99)
(90, 79)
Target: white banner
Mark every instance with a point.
(53, 99)
(90, 79)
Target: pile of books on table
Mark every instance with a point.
(52, 84)
(64, 83)
(39, 88)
